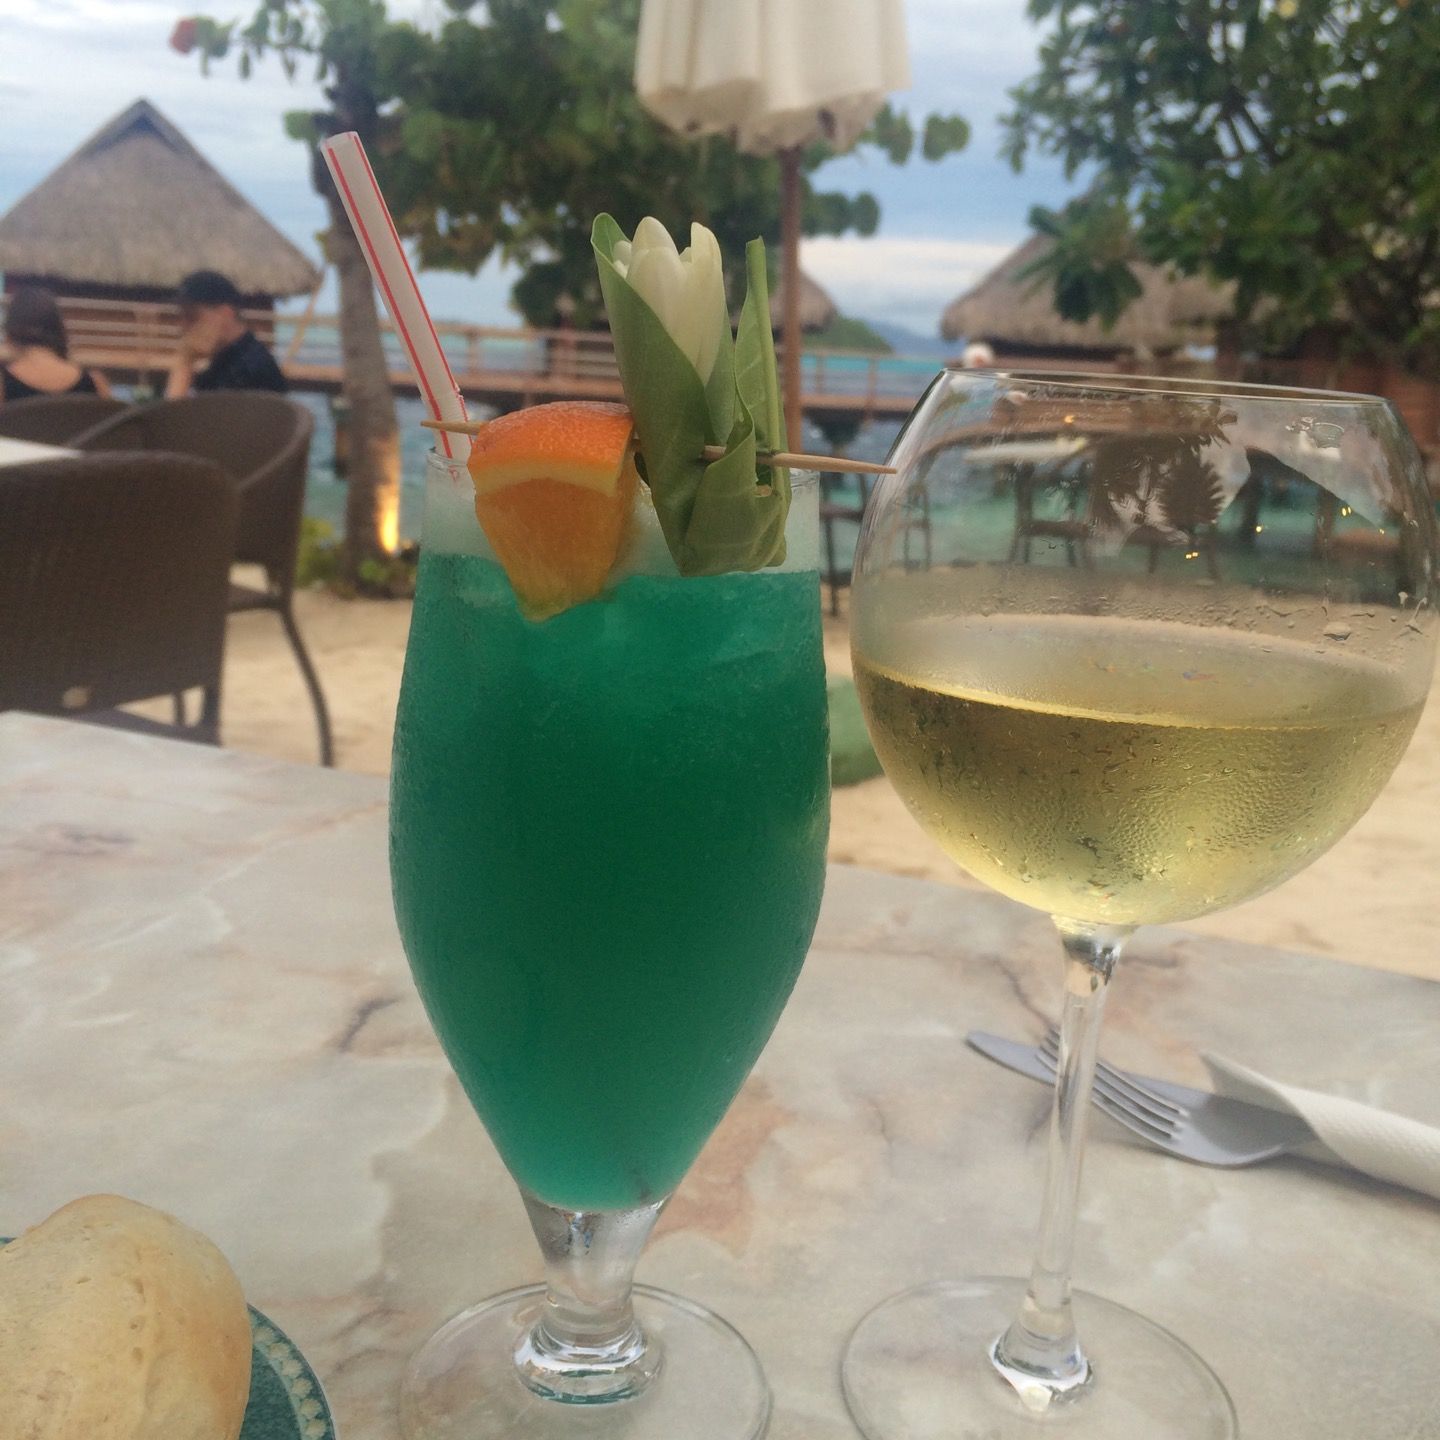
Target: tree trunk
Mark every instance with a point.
(372, 506)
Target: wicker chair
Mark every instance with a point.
(113, 576)
(262, 442)
(55, 419)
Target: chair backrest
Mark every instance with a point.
(114, 579)
(261, 441)
(55, 419)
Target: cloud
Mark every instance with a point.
(907, 280)
(77, 14)
(69, 65)
(966, 55)
(92, 58)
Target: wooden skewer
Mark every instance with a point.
(798, 459)
(803, 461)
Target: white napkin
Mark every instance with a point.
(1390, 1147)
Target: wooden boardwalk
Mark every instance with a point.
(511, 389)
(496, 367)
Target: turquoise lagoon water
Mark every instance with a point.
(1289, 520)
(325, 495)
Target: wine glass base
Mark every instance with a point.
(463, 1384)
(918, 1368)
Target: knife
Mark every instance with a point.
(1213, 1129)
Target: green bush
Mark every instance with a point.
(389, 579)
(852, 757)
(321, 561)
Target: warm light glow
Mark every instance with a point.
(1259, 528)
(1069, 419)
(1192, 554)
(387, 495)
(390, 520)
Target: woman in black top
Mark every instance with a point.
(38, 363)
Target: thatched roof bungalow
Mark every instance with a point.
(817, 309)
(135, 209)
(1017, 317)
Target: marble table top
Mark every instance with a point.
(204, 1005)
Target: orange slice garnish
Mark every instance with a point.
(554, 488)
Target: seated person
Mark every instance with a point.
(39, 349)
(213, 331)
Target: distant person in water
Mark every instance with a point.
(39, 351)
(212, 331)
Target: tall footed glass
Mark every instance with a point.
(607, 852)
(1132, 650)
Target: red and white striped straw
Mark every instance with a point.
(375, 230)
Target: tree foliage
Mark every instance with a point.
(505, 130)
(1284, 145)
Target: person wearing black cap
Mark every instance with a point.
(213, 331)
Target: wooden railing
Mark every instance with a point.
(134, 339)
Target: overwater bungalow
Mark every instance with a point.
(817, 309)
(115, 227)
(1016, 317)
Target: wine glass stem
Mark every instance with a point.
(586, 1345)
(1040, 1354)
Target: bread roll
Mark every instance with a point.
(117, 1322)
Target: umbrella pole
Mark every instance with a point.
(790, 290)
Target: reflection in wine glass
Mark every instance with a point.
(1175, 638)
(607, 851)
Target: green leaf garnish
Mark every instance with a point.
(716, 516)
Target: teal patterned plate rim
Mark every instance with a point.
(287, 1401)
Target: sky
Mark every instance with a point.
(67, 66)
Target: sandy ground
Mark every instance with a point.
(1372, 900)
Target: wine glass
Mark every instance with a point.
(607, 851)
(1171, 640)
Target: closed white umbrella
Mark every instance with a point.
(776, 75)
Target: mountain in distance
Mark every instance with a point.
(911, 342)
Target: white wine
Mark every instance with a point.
(1126, 771)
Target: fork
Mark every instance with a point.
(1192, 1124)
